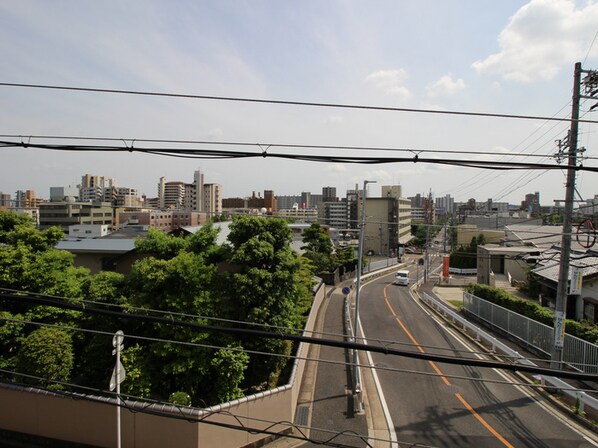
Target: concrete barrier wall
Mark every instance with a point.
(75, 419)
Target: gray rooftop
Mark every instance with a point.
(550, 264)
(542, 237)
(97, 245)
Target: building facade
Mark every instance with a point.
(65, 214)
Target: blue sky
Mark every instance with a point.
(512, 57)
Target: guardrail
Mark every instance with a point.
(577, 353)
(576, 396)
(463, 271)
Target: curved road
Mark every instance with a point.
(440, 409)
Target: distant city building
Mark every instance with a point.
(388, 221)
(329, 194)
(196, 196)
(228, 203)
(164, 220)
(61, 194)
(446, 203)
(417, 201)
(5, 201)
(212, 199)
(287, 202)
(270, 202)
(418, 215)
(127, 197)
(26, 199)
(65, 214)
(351, 198)
(89, 230)
(173, 194)
(302, 214)
(531, 204)
(333, 214)
(97, 189)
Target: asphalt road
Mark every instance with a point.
(435, 404)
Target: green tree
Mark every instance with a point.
(47, 353)
(9, 220)
(93, 361)
(266, 287)
(160, 245)
(316, 239)
(227, 369)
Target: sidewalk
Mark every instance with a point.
(325, 402)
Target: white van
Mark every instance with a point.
(402, 278)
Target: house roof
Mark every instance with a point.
(542, 237)
(551, 259)
(97, 245)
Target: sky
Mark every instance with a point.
(511, 57)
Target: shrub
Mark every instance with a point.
(583, 330)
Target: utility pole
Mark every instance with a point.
(356, 379)
(591, 83)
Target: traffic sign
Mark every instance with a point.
(346, 290)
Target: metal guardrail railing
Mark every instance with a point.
(577, 353)
(380, 264)
(497, 346)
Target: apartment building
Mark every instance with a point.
(65, 214)
(164, 220)
(388, 221)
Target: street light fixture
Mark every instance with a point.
(356, 379)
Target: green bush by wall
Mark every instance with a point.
(583, 330)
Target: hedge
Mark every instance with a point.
(527, 308)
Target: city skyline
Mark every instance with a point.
(498, 58)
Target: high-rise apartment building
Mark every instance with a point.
(97, 188)
(270, 201)
(446, 204)
(212, 199)
(333, 214)
(26, 199)
(184, 196)
(5, 201)
(531, 204)
(329, 194)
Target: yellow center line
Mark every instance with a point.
(467, 406)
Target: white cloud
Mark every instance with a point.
(336, 168)
(541, 38)
(376, 175)
(391, 82)
(446, 86)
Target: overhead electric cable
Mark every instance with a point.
(52, 301)
(475, 379)
(284, 102)
(210, 153)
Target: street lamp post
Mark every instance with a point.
(356, 379)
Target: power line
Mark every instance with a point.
(218, 154)
(474, 379)
(197, 416)
(133, 141)
(40, 299)
(285, 102)
(387, 343)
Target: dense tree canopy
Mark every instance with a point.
(254, 278)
